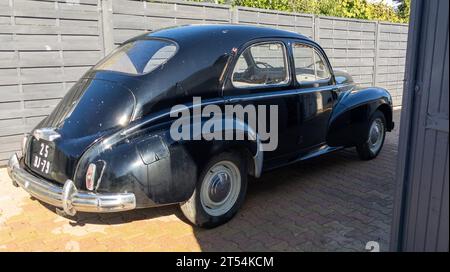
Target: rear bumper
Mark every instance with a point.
(68, 197)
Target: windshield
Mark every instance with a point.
(138, 57)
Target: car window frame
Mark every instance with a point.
(258, 42)
(313, 84)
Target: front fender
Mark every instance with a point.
(350, 117)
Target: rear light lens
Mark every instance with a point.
(90, 176)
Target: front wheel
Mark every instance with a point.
(220, 191)
(375, 137)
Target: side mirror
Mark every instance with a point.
(342, 77)
(340, 80)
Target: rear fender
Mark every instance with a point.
(158, 169)
(230, 128)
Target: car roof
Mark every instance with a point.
(236, 34)
(201, 58)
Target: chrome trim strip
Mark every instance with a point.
(68, 197)
(277, 94)
(320, 151)
(166, 113)
(258, 159)
(226, 100)
(48, 134)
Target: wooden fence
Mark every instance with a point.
(45, 46)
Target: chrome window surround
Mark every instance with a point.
(321, 57)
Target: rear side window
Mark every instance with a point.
(310, 66)
(263, 64)
(138, 57)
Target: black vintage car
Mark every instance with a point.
(108, 145)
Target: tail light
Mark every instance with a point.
(90, 176)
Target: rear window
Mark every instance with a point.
(138, 57)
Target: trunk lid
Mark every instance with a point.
(91, 110)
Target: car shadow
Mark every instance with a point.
(270, 218)
(335, 202)
(279, 213)
(255, 187)
(82, 218)
(287, 209)
(330, 203)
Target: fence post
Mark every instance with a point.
(316, 20)
(377, 43)
(234, 14)
(106, 10)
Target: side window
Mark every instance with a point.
(310, 67)
(263, 64)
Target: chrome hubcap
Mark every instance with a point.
(376, 134)
(220, 188)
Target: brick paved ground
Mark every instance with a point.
(335, 203)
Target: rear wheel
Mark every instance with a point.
(220, 191)
(375, 137)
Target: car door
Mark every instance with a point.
(313, 79)
(261, 77)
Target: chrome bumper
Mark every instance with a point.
(68, 197)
